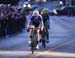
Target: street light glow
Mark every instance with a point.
(29, 5)
(28, 0)
(61, 2)
(44, 0)
(24, 5)
(55, 12)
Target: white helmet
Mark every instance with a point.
(35, 13)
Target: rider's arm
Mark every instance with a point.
(48, 20)
(41, 21)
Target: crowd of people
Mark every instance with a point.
(12, 19)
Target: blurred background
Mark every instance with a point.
(14, 16)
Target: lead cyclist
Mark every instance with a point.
(36, 21)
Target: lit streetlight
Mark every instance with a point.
(61, 2)
(44, 0)
(29, 0)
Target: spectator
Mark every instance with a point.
(12, 20)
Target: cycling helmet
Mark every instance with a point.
(35, 13)
(45, 10)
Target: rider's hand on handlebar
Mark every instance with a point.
(28, 30)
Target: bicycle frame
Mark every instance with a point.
(33, 39)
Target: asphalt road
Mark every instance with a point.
(61, 37)
(62, 34)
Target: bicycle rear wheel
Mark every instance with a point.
(43, 43)
(43, 39)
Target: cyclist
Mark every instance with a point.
(37, 22)
(45, 15)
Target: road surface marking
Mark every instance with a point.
(38, 53)
(56, 53)
(49, 52)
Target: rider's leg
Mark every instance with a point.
(46, 31)
(30, 32)
(47, 34)
(38, 35)
(38, 38)
(30, 36)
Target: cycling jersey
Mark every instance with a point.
(46, 20)
(36, 22)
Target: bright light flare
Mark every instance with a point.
(29, 5)
(61, 2)
(24, 5)
(55, 12)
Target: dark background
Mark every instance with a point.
(13, 2)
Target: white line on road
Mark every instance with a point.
(48, 52)
(38, 53)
